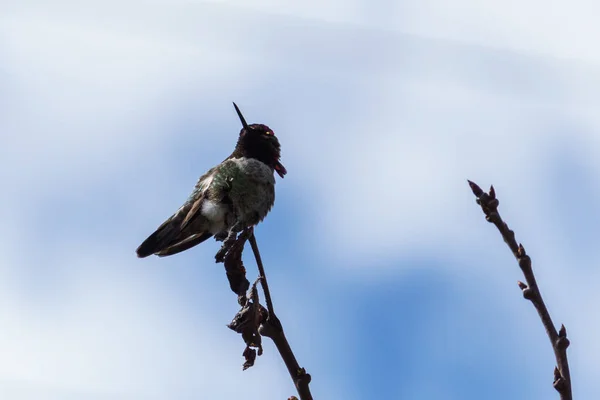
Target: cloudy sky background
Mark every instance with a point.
(387, 279)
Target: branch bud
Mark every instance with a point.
(559, 381)
(562, 331)
(475, 189)
(562, 343)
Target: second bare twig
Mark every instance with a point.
(562, 377)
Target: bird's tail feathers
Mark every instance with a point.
(160, 239)
(185, 244)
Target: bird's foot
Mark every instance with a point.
(227, 244)
(221, 236)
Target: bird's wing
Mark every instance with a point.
(171, 232)
(181, 231)
(214, 186)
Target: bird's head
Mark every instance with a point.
(259, 141)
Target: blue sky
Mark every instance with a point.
(388, 281)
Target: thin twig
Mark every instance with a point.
(273, 329)
(562, 377)
(263, 276)
(253, 320)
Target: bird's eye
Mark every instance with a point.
(268, 133)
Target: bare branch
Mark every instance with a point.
(253, 320)
(562, 378)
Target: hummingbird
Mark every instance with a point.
(236, 194)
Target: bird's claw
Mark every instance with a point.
(227, 244)
(221, 236)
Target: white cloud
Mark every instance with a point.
(532, 26)
(547, 27)
(392, 175)
(108, 333)
(85, 99)
(552, 27)
(86, 88)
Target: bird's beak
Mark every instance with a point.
(280, 169)
(239, 113)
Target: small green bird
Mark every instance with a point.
(236, 194)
